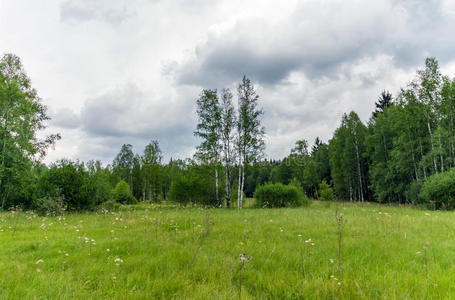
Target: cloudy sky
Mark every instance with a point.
(129, 71)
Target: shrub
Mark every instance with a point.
(52, 206)
(110, 205)
(196, 186)
(69, 181)
(412, 193)
(295, 182)
(438, 191)
(279, 195)
(234, 198)
(180, 190)
(122, 193)
(325, 191)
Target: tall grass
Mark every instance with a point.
(143, 252)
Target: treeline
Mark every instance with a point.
(407, 142)
(403, 154)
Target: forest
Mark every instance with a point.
(404, 154)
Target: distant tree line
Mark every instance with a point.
(405, 153)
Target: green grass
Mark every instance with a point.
(157, 245)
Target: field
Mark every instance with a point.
(148, 252)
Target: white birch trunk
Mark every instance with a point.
(216, 185)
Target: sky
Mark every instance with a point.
(115, 72)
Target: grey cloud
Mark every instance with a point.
(65, 118)
(318, 39)
(310, 66)
(130, 115)
(110, 11)
(305, 108)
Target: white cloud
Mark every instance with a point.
(118, 71)
(111, 11)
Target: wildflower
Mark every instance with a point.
(331, 260)
(299, 235)
(308, 241)
(108, 250)
(427, 214)
(39, 261)
(38, 270)
(242, 257)
(418, 252)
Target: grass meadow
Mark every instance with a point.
(165, 252)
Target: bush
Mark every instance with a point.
(325, 191)
(69, 181)
(180, 190)
(438, 191)
(279, 195)
(109, 205)
(52, 206)
(412, 193)
(295, 182)
(122, 193)
(196, 186)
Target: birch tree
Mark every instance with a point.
(227, 126)
(347, 158)
(22, 116)
(208, 128)
(123, 165)
(250, 133)
(448, 115)
(151, 162)
(427, 88)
